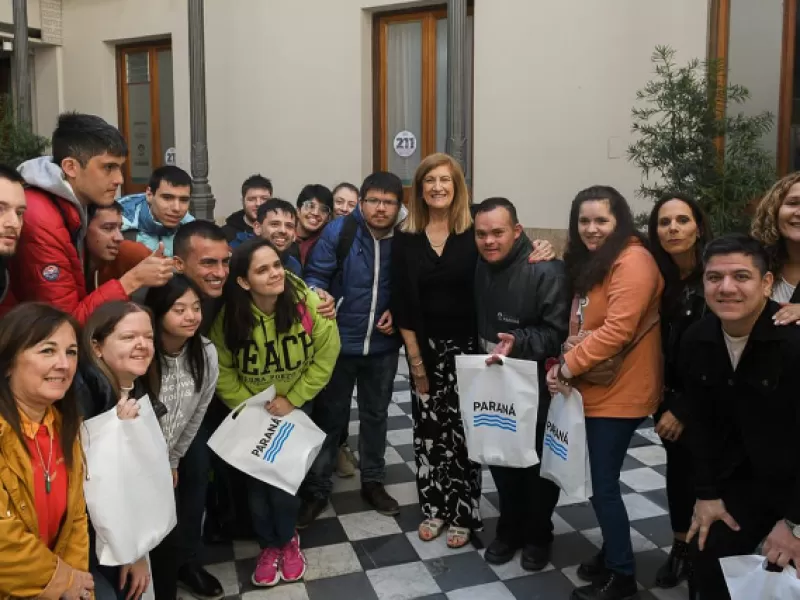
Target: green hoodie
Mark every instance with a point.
(297, 365)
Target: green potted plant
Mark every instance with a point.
(17, 143)
(690, 139)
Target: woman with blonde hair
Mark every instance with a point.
(777, 226)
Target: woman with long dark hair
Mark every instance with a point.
(678, 230)
(617, 290)
(43, 528)
(183, 376)
(117, 350)
(270, 332)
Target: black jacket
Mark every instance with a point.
(745, 424)
(530, 301)
(679, 311)
(96, 396)
(234, 225)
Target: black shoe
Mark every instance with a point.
(199, 582)
(535, 558)
(615, 587)
(595, 569)
(310, 510)
(677, 567)
(376, 496)
(500, 552)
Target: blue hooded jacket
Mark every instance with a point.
(136, 217)
(361, 288)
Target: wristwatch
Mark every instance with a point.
(793, 527)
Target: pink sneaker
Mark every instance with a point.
(266, 573)
(293, 563)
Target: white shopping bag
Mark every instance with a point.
(276, 450)
(565, 457)
(128, 486)
(499, 405)
(748, 579)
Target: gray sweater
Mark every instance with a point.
(186, 408)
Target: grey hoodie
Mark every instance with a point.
(185, 407)
(44, 174)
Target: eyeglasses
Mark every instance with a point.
(376, 201)
(313, 205)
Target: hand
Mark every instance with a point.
(82, 586)
(781, 546)
(554, 383)
(326, 308)
(542, 252)
(788, 314)
(279, 407)
(503, 348)
(669, 427)
(419, 375)
(706, 513)
(139, 578)
(385, 324)
(574, 340)
(153, 271)
(127, 408)
(174, 478)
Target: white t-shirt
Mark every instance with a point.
(735, 347)
(782, 291)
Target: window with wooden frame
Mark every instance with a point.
(146, 109)
(410, 89)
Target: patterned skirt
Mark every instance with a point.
(448, 483)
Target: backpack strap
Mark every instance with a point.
(305, 318)
(346, 238)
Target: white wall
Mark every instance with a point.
(34, 16)
(754, 57)
(554, 87)
(289, 87)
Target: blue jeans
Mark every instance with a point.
(374, 376)
(608, 440)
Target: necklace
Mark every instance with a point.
(48, 475)
(430, 241)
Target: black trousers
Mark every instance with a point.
(746, 501)
(164, 563)
(680, 484)
(526, 506)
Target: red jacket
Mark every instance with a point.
(47, 266)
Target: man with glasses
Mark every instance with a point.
(314, 210)
(359, 280)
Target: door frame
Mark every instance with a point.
(153, 47)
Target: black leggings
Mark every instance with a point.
(680, 484)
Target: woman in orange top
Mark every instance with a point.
(44, 537)
(617, 288)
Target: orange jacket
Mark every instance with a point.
(28, 568)
(130, 254)
(615, 310)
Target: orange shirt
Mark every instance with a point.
(130, 254)
(613, 313)
(50, 506)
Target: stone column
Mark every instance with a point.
(202, 199)
(456, 80)
(22, 83)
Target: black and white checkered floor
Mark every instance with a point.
(355, 553)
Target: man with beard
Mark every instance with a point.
(277, 222)
(12, 212)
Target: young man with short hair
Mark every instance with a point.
(360, 282)
(314, 210)
(238, 228)
(86, 168)
(12, 213)
(741, 378)
(277, 222)
(109, 255)
(523, 312)
(155, 216)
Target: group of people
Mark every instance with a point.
(106, 301)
